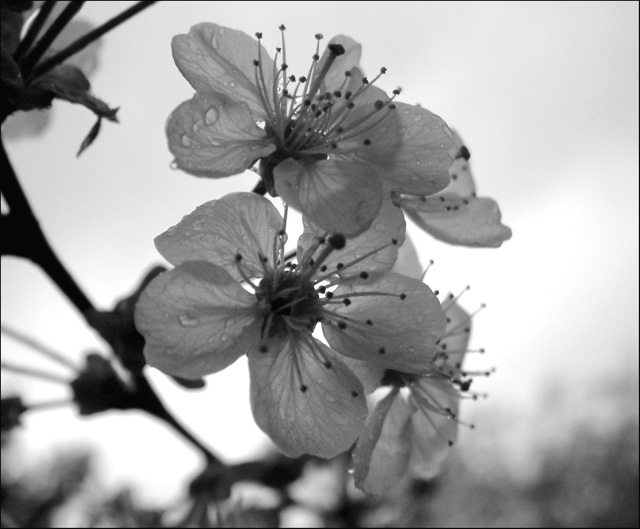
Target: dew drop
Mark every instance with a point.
(232, 84)
(187, 321)
(211, 116)
(186, 141)
(197, 126)
(224, 337)
(174, 165)
(380, 226)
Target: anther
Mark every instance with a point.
(382, 350)
(354, 394)
(367, 142)
(337, 241)
(328, 295)
(319, 36)
(383, 70)
(303, 388)
(339, 266)
(403, 296)
(263, 348)
(369, 322)
(342, 325)
(463, 153)
(394, 242)
(258, 35)
(450, 443)
(328, 365)
(378, 104)
(336, 49)
(281, 27)
(256, 62)
(346, 302)
(238, 258)
(364, 275)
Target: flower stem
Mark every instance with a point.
(87, 39)
(148, 400)
(37, 248)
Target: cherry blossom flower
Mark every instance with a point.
(410, 433)
(331, 143)
(456, 214)
(233, 292)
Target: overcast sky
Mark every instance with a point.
(545, 95)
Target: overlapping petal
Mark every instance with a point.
(374, 250)
(433, 431)
(196, 320)
(214, 58)
(456, 215)
(325, 418)
(219, 230)
(340, 196)
(214, 136)
(383, 450)
(350, 58)
(396, 323)
(471, 221)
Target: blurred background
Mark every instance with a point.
(545, 96)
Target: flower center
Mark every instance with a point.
(290, 302)
(308, 122)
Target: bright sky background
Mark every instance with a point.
(545, 95)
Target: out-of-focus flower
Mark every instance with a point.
(21, 124)
(198, 319)
(25, 89)
(331, 143)
(412, 427)
(455, 214)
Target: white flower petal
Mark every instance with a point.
(214, 58)
(214, 136)
(339, 196)
(433, 433)
(196, 320)
(378, 240)
(456, 220)
(217, 231)
(383, 450)
(397, 327)
(326, 418)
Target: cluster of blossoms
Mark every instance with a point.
(352, 160)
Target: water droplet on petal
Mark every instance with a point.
(174, 165)
(232, 84)
(186, 141)
(187, 321)
(211, 116)
(197, 126)
(224, 337)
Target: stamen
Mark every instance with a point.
(426, 270)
